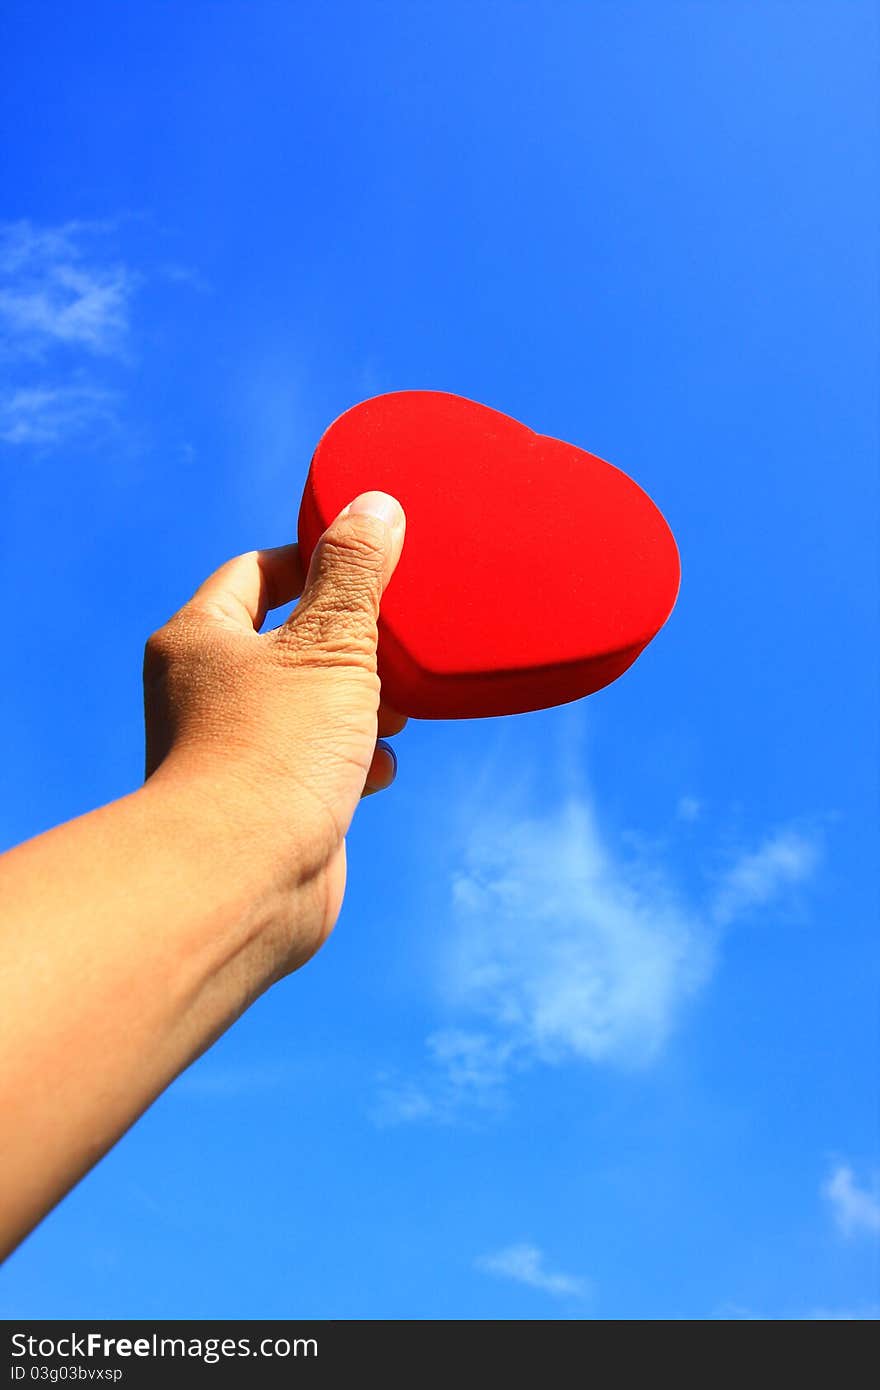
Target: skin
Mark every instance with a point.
(132, 937)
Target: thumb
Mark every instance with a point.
(352, 564)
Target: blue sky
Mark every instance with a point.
(596, 1034)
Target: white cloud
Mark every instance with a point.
(688, 808)
(464, 1067)
(524, 1264)
(46, 415)
(185, 275)
(65, 311)
(735, 1312)
(785, 859)
(561, 949)
(52, 293)
(401, 1102)
(856, 1209)
(566, 950)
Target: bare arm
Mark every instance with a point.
(133, 936)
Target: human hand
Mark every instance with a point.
(273, 736)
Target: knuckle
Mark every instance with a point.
(161, 647)
(169, 643)
(318, 638)
(358, 542)
(353, 657)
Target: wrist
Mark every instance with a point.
(255, 869)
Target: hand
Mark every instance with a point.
(275, 734)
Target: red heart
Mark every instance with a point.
(533, 572)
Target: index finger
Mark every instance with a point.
(244, 589)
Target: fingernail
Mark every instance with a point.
(389, 748)
(378, 505)
(370, 788)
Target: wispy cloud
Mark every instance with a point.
(46, 415)
(856, 1209)
(65, 315)
(735, 1312)
(563, 949)
(566, 949)
(185, 275)
(54, 293)
(465, 1070)
(784, 860)
(209, 1080)
(688, 808)
(524, 1264)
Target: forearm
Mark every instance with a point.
(129, 939)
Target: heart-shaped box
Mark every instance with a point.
(533, 573)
